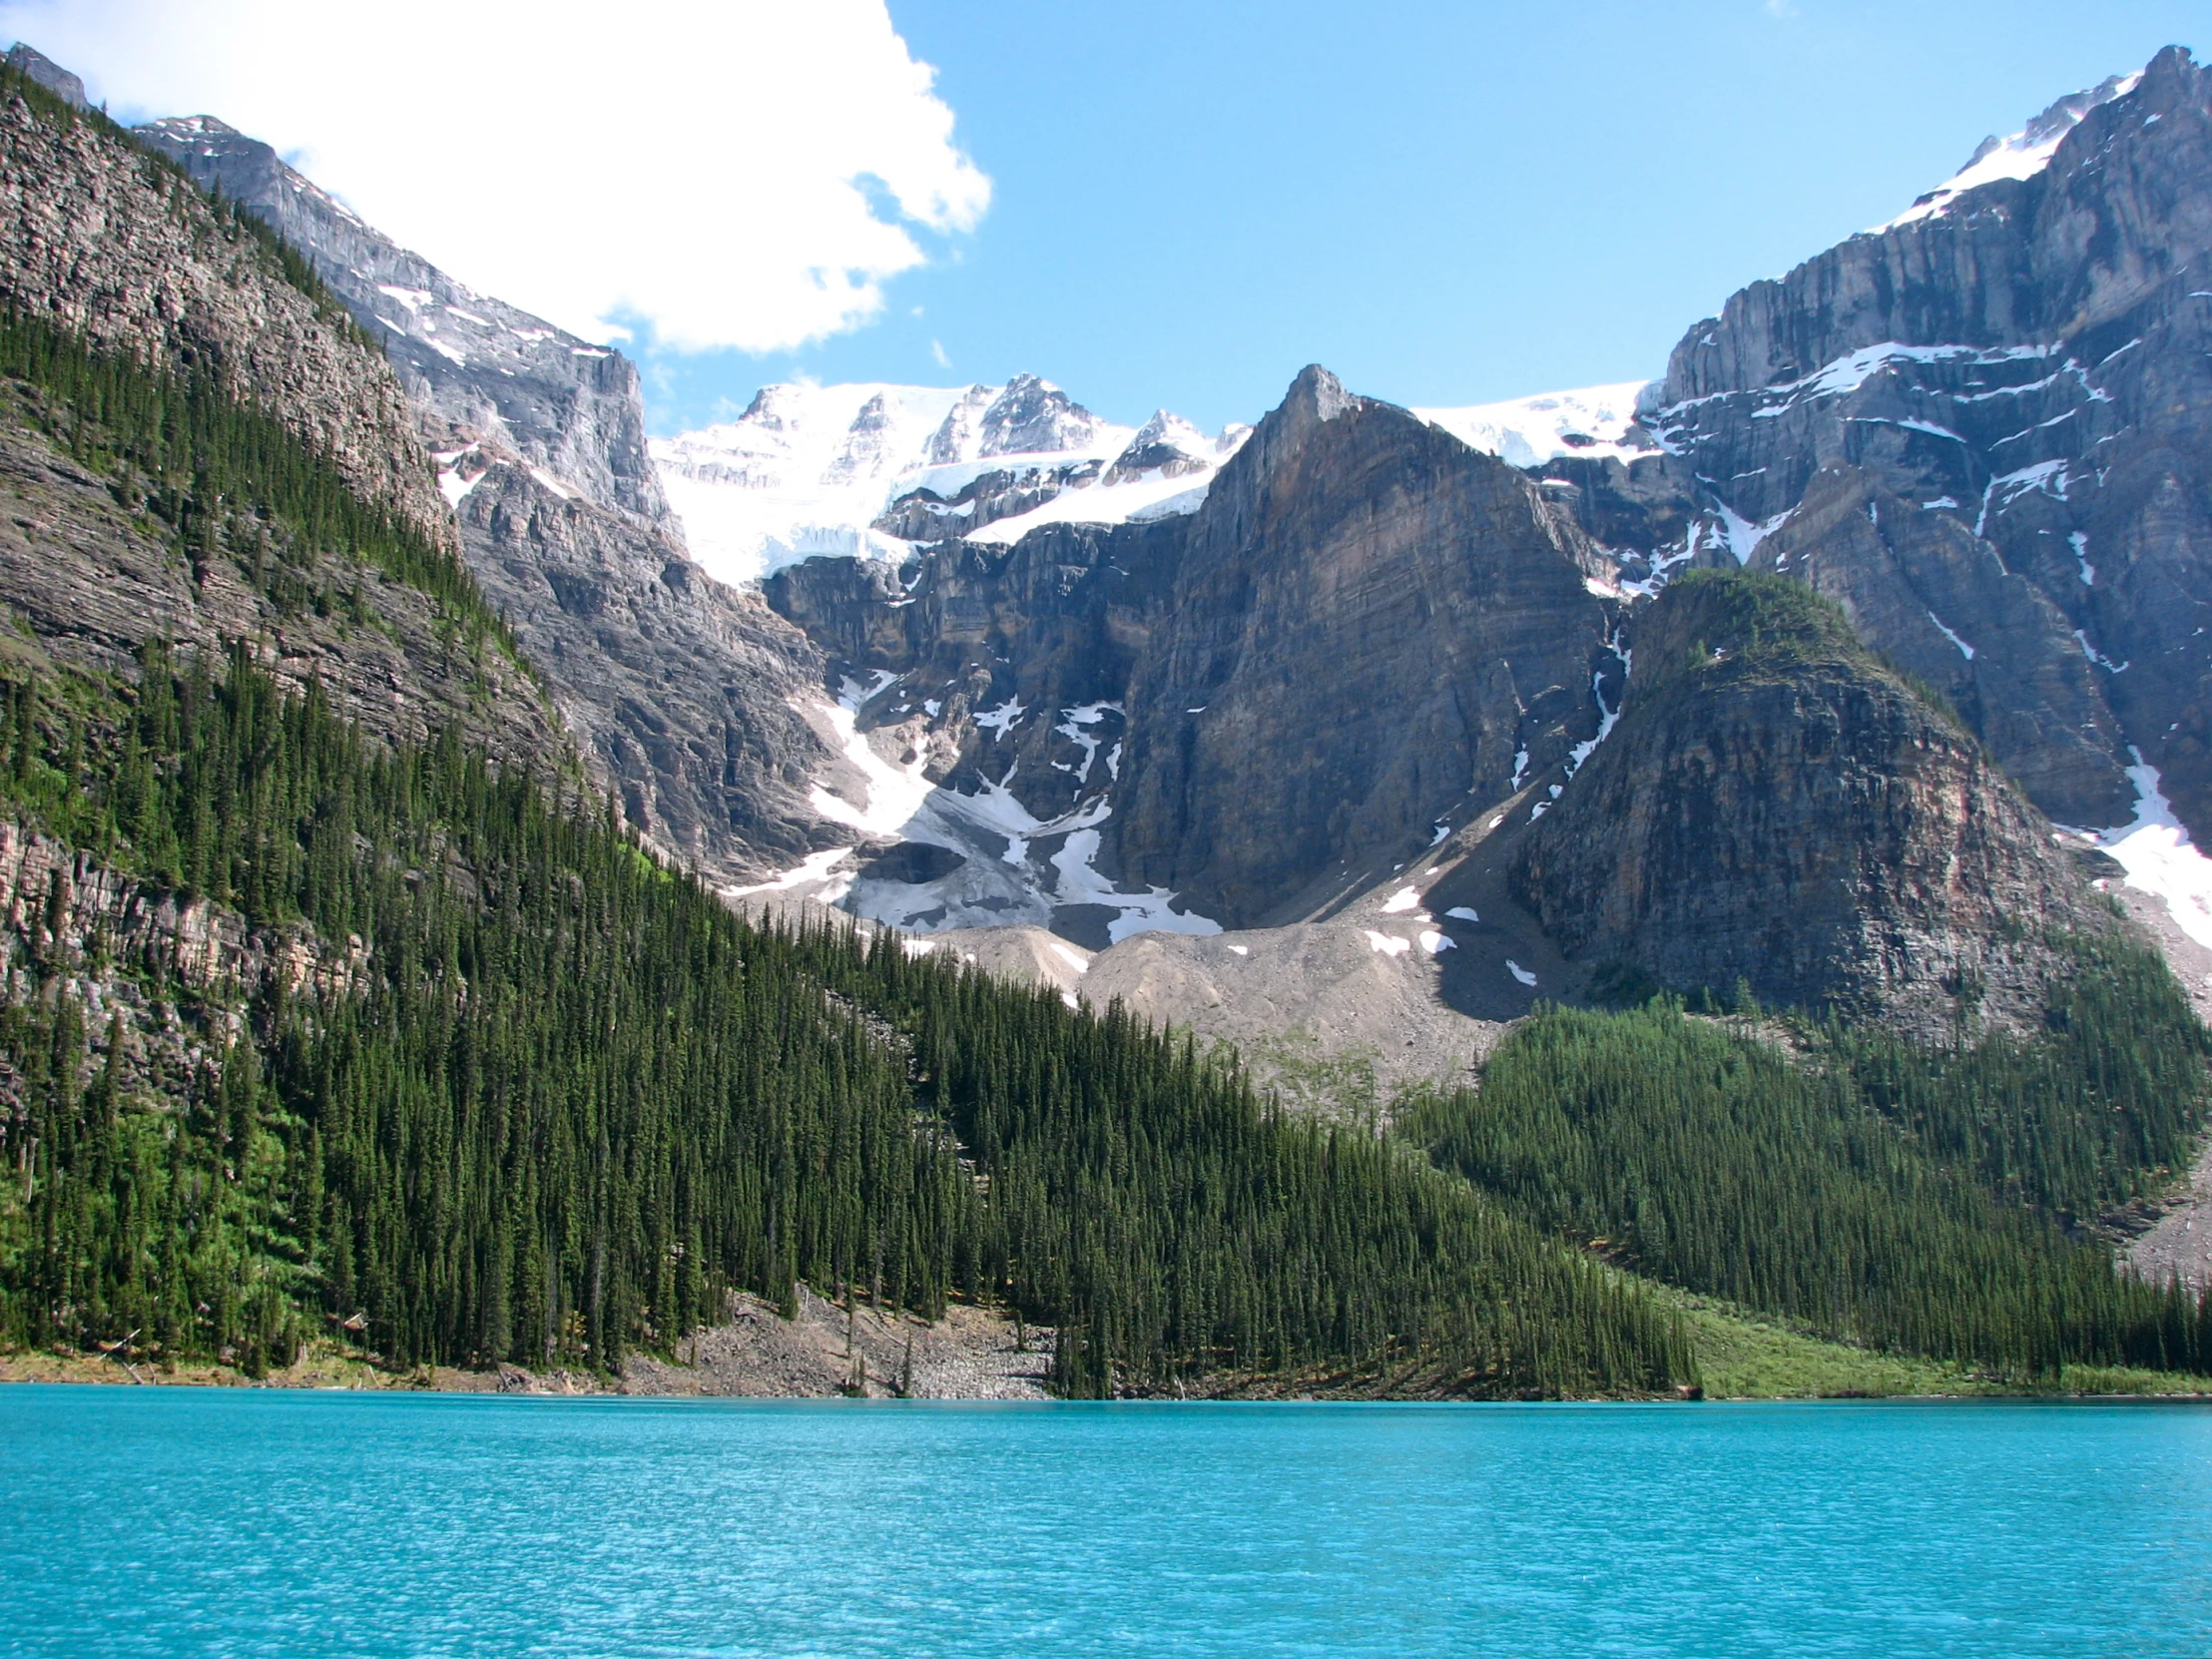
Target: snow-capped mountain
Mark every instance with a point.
(868, 471)
(2019, 154)
(1527, 432)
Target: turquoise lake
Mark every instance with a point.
(230, 1521)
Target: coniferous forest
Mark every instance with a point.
(538, 1096)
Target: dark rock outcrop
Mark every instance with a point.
(1777, 806)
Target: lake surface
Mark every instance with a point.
(230, 1522)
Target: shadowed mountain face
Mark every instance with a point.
(1374, 630)
(1367, 632)
(1777, 806)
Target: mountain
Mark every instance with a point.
(127, 257)
(350, 1000)
(478, 371)
(1980, 428)
(678, 690)
(874, 470)
(339, 1009)
(1368, 636)
(1779, 806)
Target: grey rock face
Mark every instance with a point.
(69, 88)
(95, 238)
(681, 691)
(2025, 374)
(922, 515)
(92, 582)
(1946, 610)
(479, 370)
(1776, 806)
(1374, 630)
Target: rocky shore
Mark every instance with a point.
(970, 1353)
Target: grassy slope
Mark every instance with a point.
(1743, 1355)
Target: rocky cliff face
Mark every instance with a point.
(1374, 631)
(98, 236)
(1985, 430)
(1777, 806)
(683, 693)
(1366, 633)
(477, 369)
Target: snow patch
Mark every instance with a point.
(1965, 650)
(2159, 856)
(1002, 720)
(2019, 154)
(816, 866)
(2097, 657)
(1520, 972)
(1434, 942)
(1386, 945)
(2080, 545)
(1406, 898)
(1742, 537)
(1461, 912)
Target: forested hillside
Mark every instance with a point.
(1917, 1200)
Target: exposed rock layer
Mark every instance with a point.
(1372, 628)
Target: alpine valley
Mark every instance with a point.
(1671, 887)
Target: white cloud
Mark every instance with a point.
(737, 173)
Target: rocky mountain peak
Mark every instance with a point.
(1166, 444)
(44, 71)
(1033, 416)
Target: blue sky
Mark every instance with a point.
(1443, 203)
(1150, 203)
